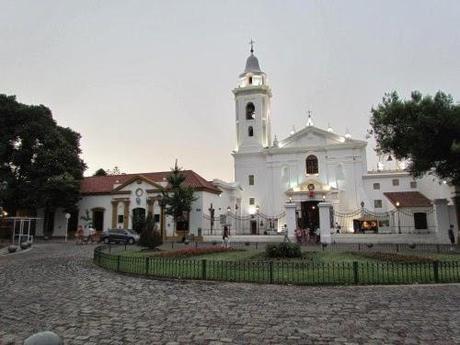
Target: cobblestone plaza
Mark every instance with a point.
(56, 287)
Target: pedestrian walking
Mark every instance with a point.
(450, 232)
(225, 236)
(79, 235)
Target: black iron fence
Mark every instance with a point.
(282, 272)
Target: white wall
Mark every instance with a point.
(386, 185)
(60, 223)
(90, 202)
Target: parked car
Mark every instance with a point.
(119, 236)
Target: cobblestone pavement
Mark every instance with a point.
(56, 287)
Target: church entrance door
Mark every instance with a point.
(309, 215)
(254, 227)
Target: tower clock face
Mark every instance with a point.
(139, 192)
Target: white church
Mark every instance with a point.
(313, 179)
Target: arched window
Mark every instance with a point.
(250, 131)
(312, 164)
(250, 111)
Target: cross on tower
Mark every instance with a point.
(251, 42)
(309, 121)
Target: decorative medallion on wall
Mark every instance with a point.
(139, 192)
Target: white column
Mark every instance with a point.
(441, 214)
(291, 220)
(325, 222)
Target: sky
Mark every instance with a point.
(148, 82)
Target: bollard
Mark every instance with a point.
(203, 269)
(44, 338)
(271, 272)
(355, 272)
(436, 271)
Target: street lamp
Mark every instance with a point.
(257, 211)
(399, 217)
(228, 219)
(67, 217)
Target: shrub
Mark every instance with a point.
(283, 250)
(150, 237)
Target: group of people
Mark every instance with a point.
(307, 236)
(85, 235)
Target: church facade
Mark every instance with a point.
(315, 179)
(314, 167)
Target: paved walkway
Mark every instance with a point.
(56, 287)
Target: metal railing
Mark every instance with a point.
(299, 272)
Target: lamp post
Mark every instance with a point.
(228, 220)
(257, 211)
(399, 217)
(67, 217)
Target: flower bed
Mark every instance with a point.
(394, 257)
(189, 251)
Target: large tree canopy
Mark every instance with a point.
(423, 129)
(40, 162)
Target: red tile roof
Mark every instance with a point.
(104, 184)
(408, 199)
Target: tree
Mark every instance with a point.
(87, 219)
(178, 198)
(100, 172)
(425, 130)
(115, 171)
(41, 162)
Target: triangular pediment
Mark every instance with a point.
(313, 136)
(137, 180)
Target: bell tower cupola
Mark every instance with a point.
(252, 107)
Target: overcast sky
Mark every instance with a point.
(146, 82)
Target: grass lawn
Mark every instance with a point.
(313, 256)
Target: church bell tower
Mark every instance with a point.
(252, 106)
